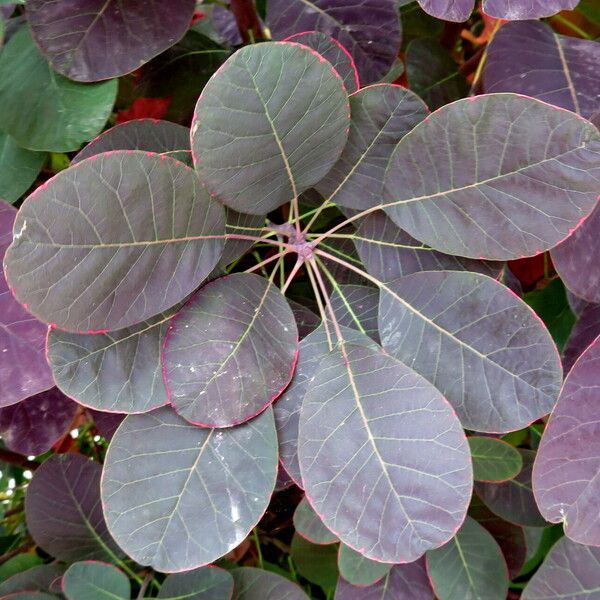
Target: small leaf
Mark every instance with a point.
(177, 497)
(251, 584)
(308, 524)
(18, 168)
(358, 570)
(91, 579)
(205, 583)
(230, 351)
(315, 562)
(470, 565)
(287, 111)
(494, 460)
(134, 256)
(476, 201)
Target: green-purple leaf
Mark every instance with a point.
(177, 497)
(584, 332)
(92, 579)
(527, 178)
(205, 583)
(359, 570)
(269, 125)
(356, 307)
(120, 253)
(252, 584)
(494, 460)
(308, 524)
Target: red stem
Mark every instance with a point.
(247, 20)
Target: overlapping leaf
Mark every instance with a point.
(331, 50)
(32, 427)
(205, 583)
(63, 510)
(528, 177)
(369, 429)
(177, 497)
(24, 371)
(120, 253)
(255, 583)
(470, 565)
(585, 331)
(308, 524)
(381, 115)
(18, 168)
(530, 58)
(565, 476)
(315, 562)
(459, 10)
(116, 372)
(369, 29)
(236, 223)
(94, 39)
(43, 110)
(388, 252)
(356, 307)
(494, 460)
(230, 351)
(477, 342)
(106, 423)
(37, 578)
(92, 579)
(269, 125)
(358, 570)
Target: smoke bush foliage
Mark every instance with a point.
(327, 329)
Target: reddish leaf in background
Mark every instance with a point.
(530, 271)
(145, 108)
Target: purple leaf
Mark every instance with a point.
(162, 137)
(478, 343)
(356, 307)
(251, 584)
(565, 477)
(529, 58)
(33, 426)
(226, 26)
(518, 196)
(370, 428)
(286, 109)
(494, 460)
(584, 332)
(177, 497)
(332, 51)
(513, 500)
(63, 510)
(92, 579)
(106, 423)
(115, 372)
(381, 115)
(236, 222)
(284, 481)
(205, 583)
(91, 40)
(230, 351)
(24, 371)
(570, 570)
(308, 524)
(312, 350)
(133, 256)
(578, 305)
(369, 29)
(403, 582)
(388, 252)
(306, 320)
(526, 9)
(456, 10)
(470, 565)
(358, 570)
(37, 578)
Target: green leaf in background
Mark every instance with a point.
(18, 168)
(552, 306)
(416, 23)
(494, 460)
(91, 579)
(17, 564)
(359, 570)
(590, 9)
(43, 110)
(317, 563)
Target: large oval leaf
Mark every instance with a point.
(458, 11)
(477, 342)
(92, 579)
(517, 196)
(387, 252)
(570, 570)
(251, 584)
(98, 39)
(403, 582)
(120, 253)
(63, 510)
(205, 583)
(529, 58)
(369, 29)
(359, 570)
(565, 477)
(230, 351)
(116, 372)
(177, 497)
(18, 168)
(381, 115)
(269, 125)
(383, 458)
(43, 110)
(24, 371)
(494, 460)
(526, 9)
(308, 524)
(469, 566)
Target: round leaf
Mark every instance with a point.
(91, 579)
(384, 460)
(269, 125)
(381, 115)
(315, 562)
(43, 110)
(120, 253)
(98, 39)
(477, 342)
(470, 565)
(18, 168)
(308, 524)
(205, 583)
(521, 186)
(230, 351)
(177, 497)
(24, 371)
(494, 460)
(358, 570)
(565, 476)
(63, 510)
(251, 584)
